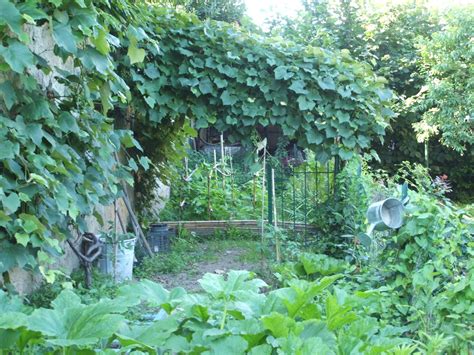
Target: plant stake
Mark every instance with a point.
(275, 224)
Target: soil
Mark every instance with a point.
(226, 260)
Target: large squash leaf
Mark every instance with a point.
(71, 323)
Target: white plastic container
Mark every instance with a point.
(117, 259)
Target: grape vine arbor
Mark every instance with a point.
(153, 69)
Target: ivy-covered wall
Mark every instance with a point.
(23, 280)
(56, 148)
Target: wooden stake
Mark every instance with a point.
(222, 162)
(137, 227)
(263, 195)
(133, 217)
(275, 224)
(232, 180)
(215, 168)
(274, 199)
(114, 259)
(254, 191)
(209, 195)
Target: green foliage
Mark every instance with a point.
(220, 10)
(427, 266)
(214, 191)
(310, 266)
(160, 67)
(448, 100)
(394, 36)
(423, 269)
(321, 264)
(56, 146)
(103, 286)
(420, 286)
(70, 323)
(183, 252)
(246, 80)
(328, 24)
(397, 40)
(232, 314)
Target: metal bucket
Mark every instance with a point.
(120, 266)
(159, 238)
(385, 214)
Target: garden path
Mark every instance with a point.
(220, 258)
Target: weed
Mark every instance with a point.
(181, 255)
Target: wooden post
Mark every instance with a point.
(232, 180)
(133, 217)
(275, 224)
(254, 192)
(137, 227)
(209, 194)
(214, 168)
(115, 245)
(263, 195)
(223, 162)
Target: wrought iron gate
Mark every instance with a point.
(299, 192)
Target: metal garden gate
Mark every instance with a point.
(299, 192)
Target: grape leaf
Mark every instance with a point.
(17, 56)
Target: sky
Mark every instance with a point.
(259, 10)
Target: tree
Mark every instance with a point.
(334, 25)
(388, 38)
(219, 10)
(447, 99)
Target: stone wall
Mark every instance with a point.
(162, 195)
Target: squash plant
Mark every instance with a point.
(232, 315)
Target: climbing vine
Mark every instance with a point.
(220, 75)
(55, 145)
(137, 66)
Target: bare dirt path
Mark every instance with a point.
(220, 263)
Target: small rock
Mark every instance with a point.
(219, 271)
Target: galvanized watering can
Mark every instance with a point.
(385, 214)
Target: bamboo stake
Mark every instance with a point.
(263, 195)
(115, 245)
(254, 191)
(223, 162)
(275, 224)
(232, 179)
(209, 195)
